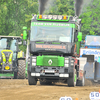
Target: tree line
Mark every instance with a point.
(14, 14)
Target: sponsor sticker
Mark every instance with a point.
(94, 96)
(94, 52)
(50, 46)
(65, 98)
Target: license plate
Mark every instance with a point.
(49, 71)
(7, 67)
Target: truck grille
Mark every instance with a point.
(50, 61)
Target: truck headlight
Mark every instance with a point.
(66, 62)
(33, 61)
(72, 62)
(33, 64)
(66, 65)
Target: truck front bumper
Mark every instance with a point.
(50, 75)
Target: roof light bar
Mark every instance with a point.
(50, 16)
(40, 16)
(64, 17)
(45, 16)
(60, 17)
(54, 16)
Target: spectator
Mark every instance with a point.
(95, 42)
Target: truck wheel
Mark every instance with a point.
(81, 82)
(31, 80)
(72, 80)
(21, 69)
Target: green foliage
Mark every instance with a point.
(14, 14)
(60, 7)
(91, 19)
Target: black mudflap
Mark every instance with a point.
(89, 69)
(97, 71)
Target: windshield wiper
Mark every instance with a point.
(57, 41)
(39, 41)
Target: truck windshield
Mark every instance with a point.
(51, 33)
(6, 43)
(92, 40)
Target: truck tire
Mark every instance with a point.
(81, 82)
(72, 80)
(31, 79)
(21, 69)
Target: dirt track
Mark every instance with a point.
(11, 89)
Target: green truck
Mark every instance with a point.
(12, 60)
(53, 45)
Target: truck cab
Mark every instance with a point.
(52, 51)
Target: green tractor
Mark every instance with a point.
(12, 60)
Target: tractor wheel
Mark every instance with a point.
(81, 82)
(72, 80)
(21, 69)
(31, 79)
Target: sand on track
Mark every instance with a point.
(18, 89)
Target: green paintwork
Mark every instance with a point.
(75, 78)
(7, 74)
(79, 36)
(40, 42)
(56, 61)
(78, 47)
(66, 20)
(52, 24)
(78, 43)
(52, 42)
(55, 43)
(24, 33)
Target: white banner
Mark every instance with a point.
(95, 52)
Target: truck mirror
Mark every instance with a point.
(79, 36)
(76, 33)
(24, 33)
(24, 43)
(29, 34)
